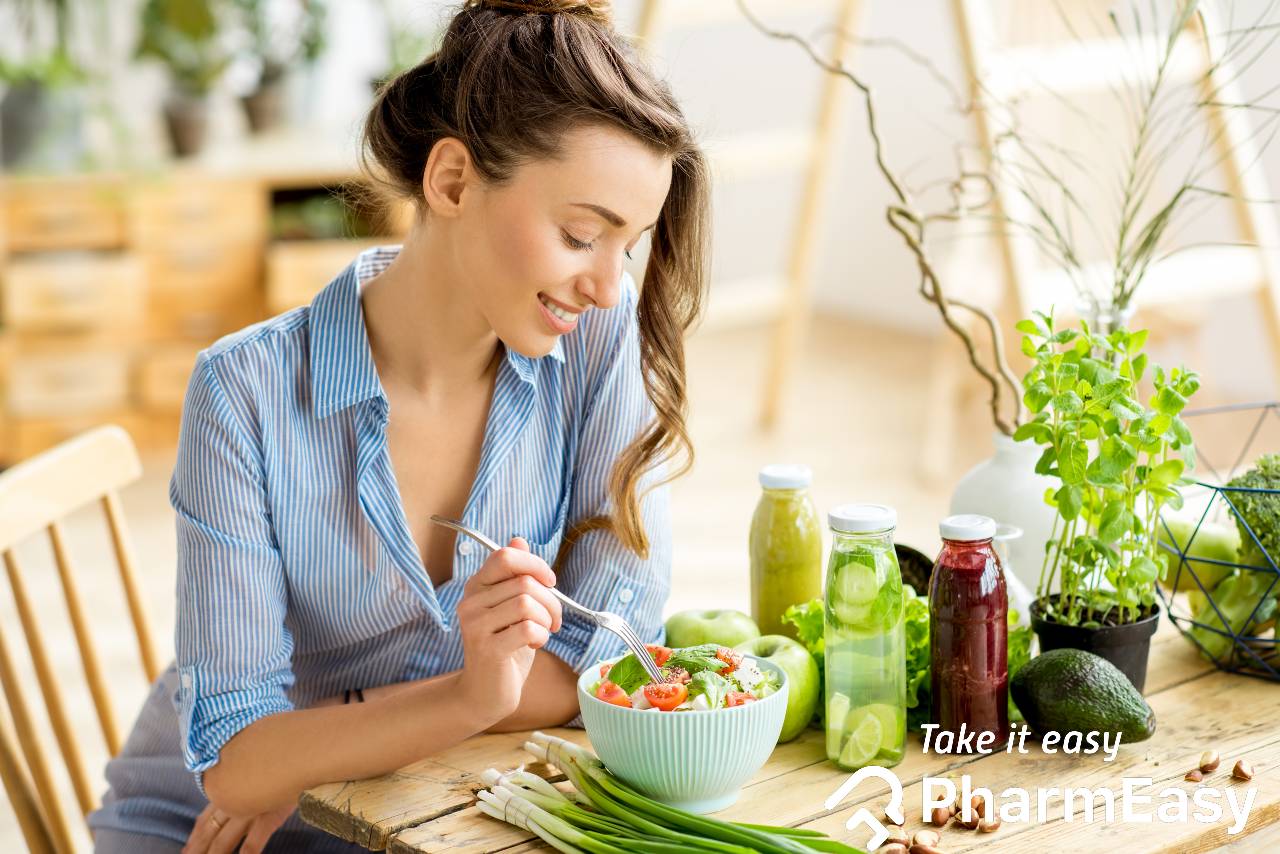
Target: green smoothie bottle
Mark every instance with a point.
(865, 644)
(786, 547)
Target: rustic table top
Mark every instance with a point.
(430, 806)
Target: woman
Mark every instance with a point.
(499, 367)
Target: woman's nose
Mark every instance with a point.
(602, 286)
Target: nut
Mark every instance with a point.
(1243, 770)
(1194, 776)
(892, 848)
(940, 816)
(926, 837)
(990, 825)
(897, 834)
(970, 823)
(924, 849)
(1209, 761)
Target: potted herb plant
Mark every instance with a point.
(1117, 461)
(42, 108)
(280, 34)
(185, 36)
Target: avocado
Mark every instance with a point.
(1070, 689)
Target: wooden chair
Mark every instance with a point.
(35, 496)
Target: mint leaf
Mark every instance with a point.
(708, 682)
(628, 674)
(696, 658)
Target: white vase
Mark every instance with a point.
(1007, 488)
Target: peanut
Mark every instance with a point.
(1243, 770)
(1209, 761)
(924, 849)
(1194, 776)
(926, 837)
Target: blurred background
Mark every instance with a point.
(176, 169)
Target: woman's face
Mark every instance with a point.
(549, 244)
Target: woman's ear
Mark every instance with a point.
(446, 175)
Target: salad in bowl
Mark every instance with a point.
(698, 678)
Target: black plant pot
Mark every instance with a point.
(187, 120)
(1126, 646)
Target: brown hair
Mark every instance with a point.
(508, 80)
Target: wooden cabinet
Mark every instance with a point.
(45, 214)
(110, 286)
(80, 291)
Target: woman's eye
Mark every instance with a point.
(575, 243)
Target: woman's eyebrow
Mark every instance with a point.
(606, 214)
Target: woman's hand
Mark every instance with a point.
(217, 833)
(505, 615)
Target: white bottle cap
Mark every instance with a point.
(862, 518)
(780, 476)
(967, 527)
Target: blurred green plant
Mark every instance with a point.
(186, 36)
(277, 41)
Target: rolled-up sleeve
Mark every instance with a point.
(232, 645)
(600, 572)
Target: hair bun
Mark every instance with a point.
(599, 10)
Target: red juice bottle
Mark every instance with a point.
(968, 631)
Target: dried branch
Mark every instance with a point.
(910, 224)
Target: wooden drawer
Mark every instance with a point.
(73, 291)
(163, 213)
(162, 377)
(204, 288)
(51, 214)
(298, 270)
(54, 383)
(26, 437)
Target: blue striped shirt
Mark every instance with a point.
(297, 574)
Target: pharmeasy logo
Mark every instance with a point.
(1131, 805)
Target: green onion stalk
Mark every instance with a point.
(603, 815)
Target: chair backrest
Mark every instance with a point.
(35, 496)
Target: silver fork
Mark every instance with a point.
(604, 619)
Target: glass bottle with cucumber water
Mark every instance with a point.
(866, 654)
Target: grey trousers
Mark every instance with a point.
(153, 800)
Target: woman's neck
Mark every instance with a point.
(426, 335)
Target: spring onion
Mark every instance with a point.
(601, 814)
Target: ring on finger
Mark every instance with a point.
(217, 822)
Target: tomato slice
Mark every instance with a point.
(605, 668)
(661, 654)
(739, 698)
(729, 657)
(611, 693)
(666, 695)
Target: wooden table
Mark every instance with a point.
(430, 806)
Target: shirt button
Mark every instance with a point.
(465, 547)
(625, 595)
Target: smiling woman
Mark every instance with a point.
(500, 368)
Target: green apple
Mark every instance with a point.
(803, 683)
(725, 627)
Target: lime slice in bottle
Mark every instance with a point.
(893, 722)
(857, 582)
(865, 734)
(837, 711)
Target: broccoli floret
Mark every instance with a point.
(1260, 510)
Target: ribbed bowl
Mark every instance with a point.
(697, 761)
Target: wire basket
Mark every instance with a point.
(1231, 622)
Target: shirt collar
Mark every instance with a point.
(342, 369)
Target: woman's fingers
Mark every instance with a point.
(517, 609)
(493, 595)
(228, 838)
(514, 560)
(203, 831)
(520, 635)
